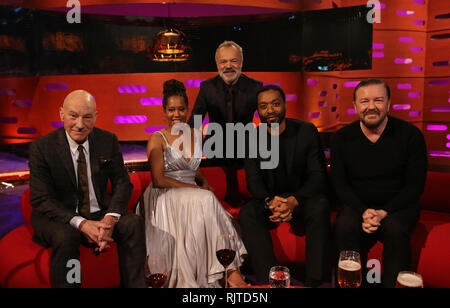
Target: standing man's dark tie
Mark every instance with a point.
(84, 206)
(230, 105)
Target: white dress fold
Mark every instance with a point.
(185, 223)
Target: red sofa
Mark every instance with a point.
(25, 264)
(430, 240)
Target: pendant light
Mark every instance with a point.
(169, 45)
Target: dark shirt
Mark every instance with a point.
(212, 100)
(300, 171)
(388, 174)
(280, 173)
(212, 96)
(234, 89)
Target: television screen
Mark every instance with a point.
(336, 39)
(43, 42)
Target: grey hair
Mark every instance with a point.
(231, 44)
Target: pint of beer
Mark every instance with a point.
(409, 280)
(349, 269)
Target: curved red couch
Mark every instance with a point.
(26, 264)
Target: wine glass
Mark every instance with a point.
(226, 251)
(159, 259)
(157, 270)
(279, 277)
(349, 269)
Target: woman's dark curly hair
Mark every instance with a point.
(174, 87)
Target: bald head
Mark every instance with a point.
(80, 96)
(79, 112)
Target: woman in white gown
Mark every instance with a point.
(179, 214)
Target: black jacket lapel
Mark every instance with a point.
(95, 163)
(65, 155)
(220, 99)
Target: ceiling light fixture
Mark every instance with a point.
(169, 45)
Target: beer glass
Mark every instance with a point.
(349, 269)
(279, 277)
(409, 280)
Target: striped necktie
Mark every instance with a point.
(84, 206)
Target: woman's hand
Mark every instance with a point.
(207, 186)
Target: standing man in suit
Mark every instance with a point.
(229, 97)
(69, 172)
(378, 170)
(293, 191)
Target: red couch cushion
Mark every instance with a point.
(217, 179)
(436, 196)
(243, 190)
(140, 181)
(27, 265)
(289, 247)
(432, 242)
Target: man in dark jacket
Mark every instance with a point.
(229, 97)
(69, 172)
(293, 191)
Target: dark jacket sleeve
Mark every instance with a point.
(314, 181)
(43, 196)
(200, 106)
(339, 178)
(120, 182)
(415, 174)
(254, 177)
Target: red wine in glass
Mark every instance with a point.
(157, 280)
(225, 256)
(225, 252)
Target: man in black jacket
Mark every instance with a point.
(293, 191)
(229, 97)
(69, 172)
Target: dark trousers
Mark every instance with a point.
(65, 242)
(394, 233)
(313, 214)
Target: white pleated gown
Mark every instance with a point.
(185, 223)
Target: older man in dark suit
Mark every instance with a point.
(229, 97)
(69, 171)
(293, 191)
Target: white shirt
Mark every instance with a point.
(77, 220)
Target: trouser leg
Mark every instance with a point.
(316, 215)
(253, 219)
(395, 234)
(130, 237)
(64, 241)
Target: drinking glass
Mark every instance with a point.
(226, 251)
(159, 259)
(157, 270)
(279, 277)
(349, 269)
(408, 279)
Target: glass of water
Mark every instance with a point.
(279, 277)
